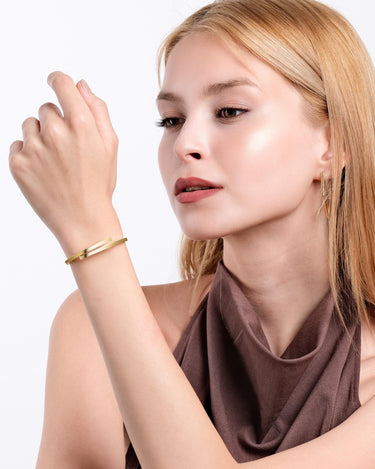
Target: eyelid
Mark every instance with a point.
(163, 122)
(242, 110)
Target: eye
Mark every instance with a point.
(230, 112)
(169, 122)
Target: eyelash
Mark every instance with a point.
(173, 123)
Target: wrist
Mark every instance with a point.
(78, 237)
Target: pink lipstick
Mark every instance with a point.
(188, 190)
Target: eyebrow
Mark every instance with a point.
(211, 90)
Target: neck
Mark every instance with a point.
(283, 270)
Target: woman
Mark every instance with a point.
(267, 157)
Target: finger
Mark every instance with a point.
(99, 111)
(15, 162)
(31, 136)
(15, 147)
(51, 118)
(30, 128)
(49, 110)
(68, 96)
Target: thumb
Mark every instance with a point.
(99, 111)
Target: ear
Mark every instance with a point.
(325, 153)
(326, 157)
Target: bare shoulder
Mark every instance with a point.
(83, 426)
(174, 304)
(367, 377)
(82, 423)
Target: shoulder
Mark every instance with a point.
(72, 323)
(79, 397)
(174, 304)
(71, 307)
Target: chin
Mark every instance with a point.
(199, 236)
(203, 233)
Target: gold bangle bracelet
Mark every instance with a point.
(95, 249)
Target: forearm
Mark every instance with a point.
(164, 418)
(348, 446)
(66, 167)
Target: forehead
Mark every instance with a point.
(201, 58)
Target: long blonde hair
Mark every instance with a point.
(320, 53)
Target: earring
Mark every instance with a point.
(324, 195)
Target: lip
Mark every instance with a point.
(208, 188)
(184, 183)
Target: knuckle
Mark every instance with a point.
(15, 147)
(27, 122)
(44, 107)
(48, 107)
(52, 130)
(80, 120)
(101, 103)
(32, 144)
(115, 140)
(16, 165)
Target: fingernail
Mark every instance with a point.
(49, 79)
(51, 76)
(85, 86)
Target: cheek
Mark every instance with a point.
(164, 161)
(256, 150)
(267, 161)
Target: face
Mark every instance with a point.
(237, 150)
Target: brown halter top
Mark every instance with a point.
(260, 403)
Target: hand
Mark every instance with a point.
(66, 163)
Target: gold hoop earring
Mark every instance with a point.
(324, 195)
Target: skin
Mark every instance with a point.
(274, 241)
(107, 368)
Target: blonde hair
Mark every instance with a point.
(320, 53)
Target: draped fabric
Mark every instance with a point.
(260, 403)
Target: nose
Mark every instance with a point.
(191, 142)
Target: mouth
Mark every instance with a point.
(193, 185)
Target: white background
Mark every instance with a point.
(112, 44)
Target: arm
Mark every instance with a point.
(141, 366)
(350, 445)
(164, 418)
(82, 423)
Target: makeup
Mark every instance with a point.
(189, 190)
